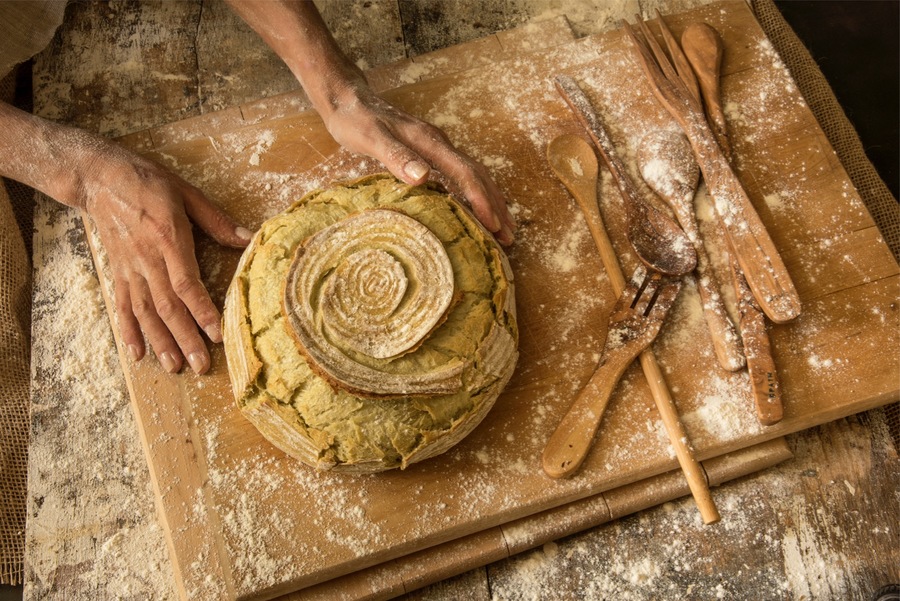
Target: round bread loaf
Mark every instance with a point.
(370, 326)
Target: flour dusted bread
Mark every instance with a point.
(370, 326)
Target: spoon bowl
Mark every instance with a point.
(667, 164)
(657, 240)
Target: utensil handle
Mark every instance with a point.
(590, 208)
(760, 261)
(570, 442)
(585, 113)
(693, 472)
(761, 366)
(725, 339)
(764, 380)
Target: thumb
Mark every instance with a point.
(213, 220)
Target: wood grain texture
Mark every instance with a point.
(781, 548)
(238, 165)
(93, 531)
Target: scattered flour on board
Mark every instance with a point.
(722, 411)
(664, 552)
(250, 526)
(109, 477)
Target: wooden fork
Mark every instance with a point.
(634, 323)
(763, 267)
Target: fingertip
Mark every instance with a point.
(505, 236)
(243, 235)
(169, 362)
(199, 362)
(416, 171)
(492, 222)
(136, 351)
(510, 220)
(213, 332)
(128, 324)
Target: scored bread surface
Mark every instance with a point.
(369, 326)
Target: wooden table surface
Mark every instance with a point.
(823, 525)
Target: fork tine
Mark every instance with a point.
(647, 60)
(665, 296)
(647, 296)
(682, 65)
(633, 288)
(661, 59)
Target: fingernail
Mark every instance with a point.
(243, 233)
(198, 362)
(135, 351)
(214, 331)
(511, 221)
(416, 170)
(167, 360)
(494, 222)
(506, 236)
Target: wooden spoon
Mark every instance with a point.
(667, 164)
(573, 160)
(656, 238)
(703, 48)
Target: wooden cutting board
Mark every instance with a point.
(246, 521)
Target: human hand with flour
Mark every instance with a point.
(361, 121)
(143, 212)
(143, 215)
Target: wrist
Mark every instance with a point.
(51, 158)
(74, 156)
(297, 33)
(335, 92)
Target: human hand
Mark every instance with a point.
(363, 122)
(409, 148)
(142, 216)
(141, 213)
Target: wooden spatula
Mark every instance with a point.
(756, 252)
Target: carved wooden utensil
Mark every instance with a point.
(656, 238)
(756, 252)
(633, 324)
(703, 48)
(667, 164)
(575, 164)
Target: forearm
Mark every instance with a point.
(295, 31)
(44, 155)
(363, 122)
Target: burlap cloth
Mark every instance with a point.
(16, 209)
(15, 280)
